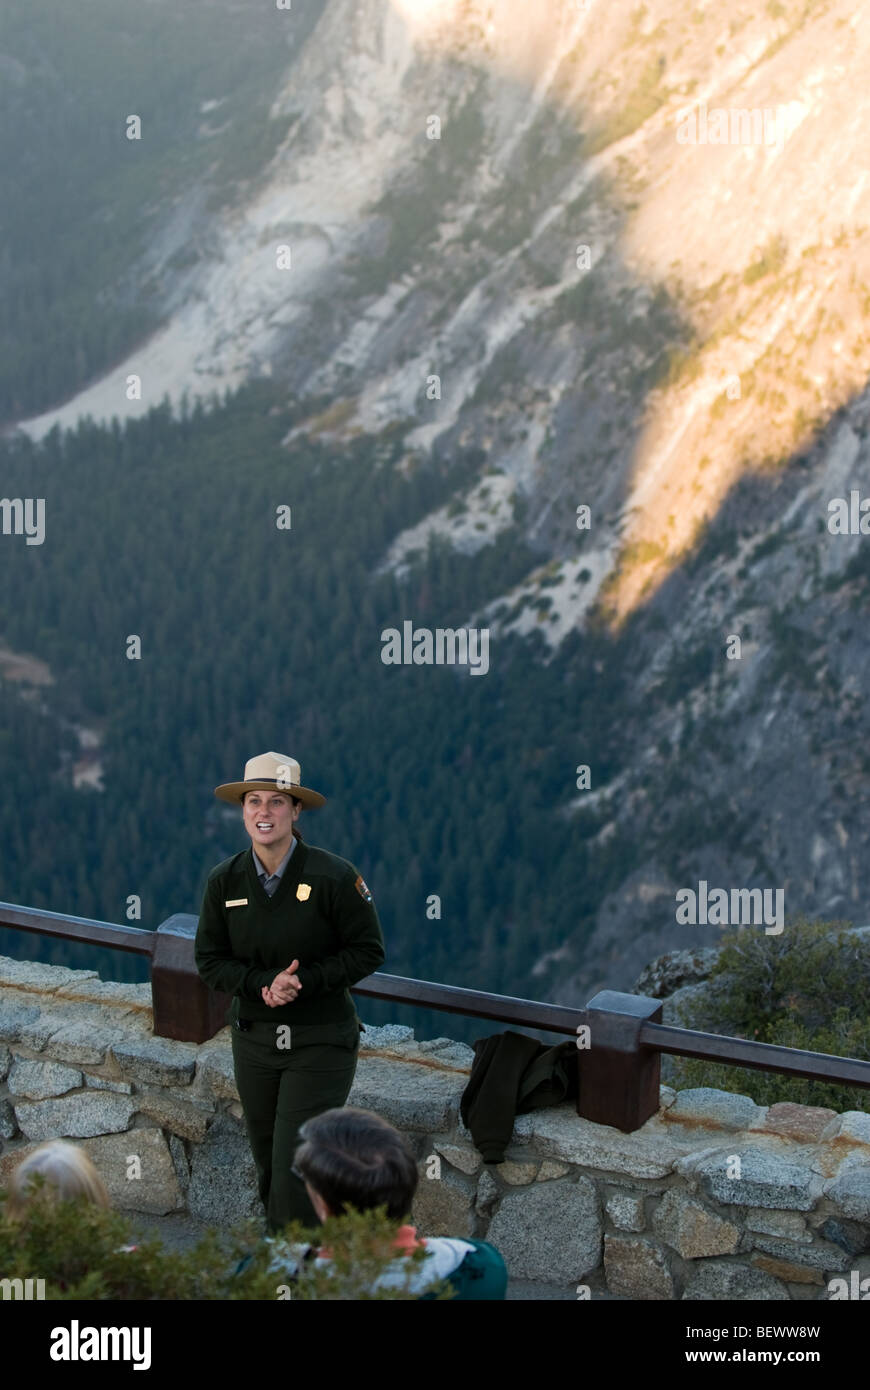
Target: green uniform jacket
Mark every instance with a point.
(321, 914)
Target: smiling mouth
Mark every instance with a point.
(265, 825)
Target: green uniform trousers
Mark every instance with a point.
(280, 1087)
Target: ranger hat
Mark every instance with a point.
(270, 772)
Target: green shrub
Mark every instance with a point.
(76, 1248)
(799, 989)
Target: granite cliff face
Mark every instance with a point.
(634, 227)
(621, 249)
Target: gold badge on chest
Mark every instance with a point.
(303, 891)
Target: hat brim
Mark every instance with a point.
(234, 791)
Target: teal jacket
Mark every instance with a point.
(480, 1274)
(473, 1269)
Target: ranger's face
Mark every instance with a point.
(269, 818)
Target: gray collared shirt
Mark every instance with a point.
(270, 881)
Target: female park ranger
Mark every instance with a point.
(286, 928)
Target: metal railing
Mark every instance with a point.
(620, 1037)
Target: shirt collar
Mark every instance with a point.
(263, 872)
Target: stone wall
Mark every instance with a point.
(714, 1198)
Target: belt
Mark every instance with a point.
(244, 1025)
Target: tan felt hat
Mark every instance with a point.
(270, 772)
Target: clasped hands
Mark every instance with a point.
(284, 988)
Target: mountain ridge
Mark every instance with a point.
(697, 379)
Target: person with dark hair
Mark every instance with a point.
(354, 1159)
(287, 929)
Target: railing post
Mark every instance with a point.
(619, 1079)
(183, 1005)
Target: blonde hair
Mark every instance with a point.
(66, 1169)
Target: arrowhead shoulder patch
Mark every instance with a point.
(360, 886)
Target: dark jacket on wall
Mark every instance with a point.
(512, 1074)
